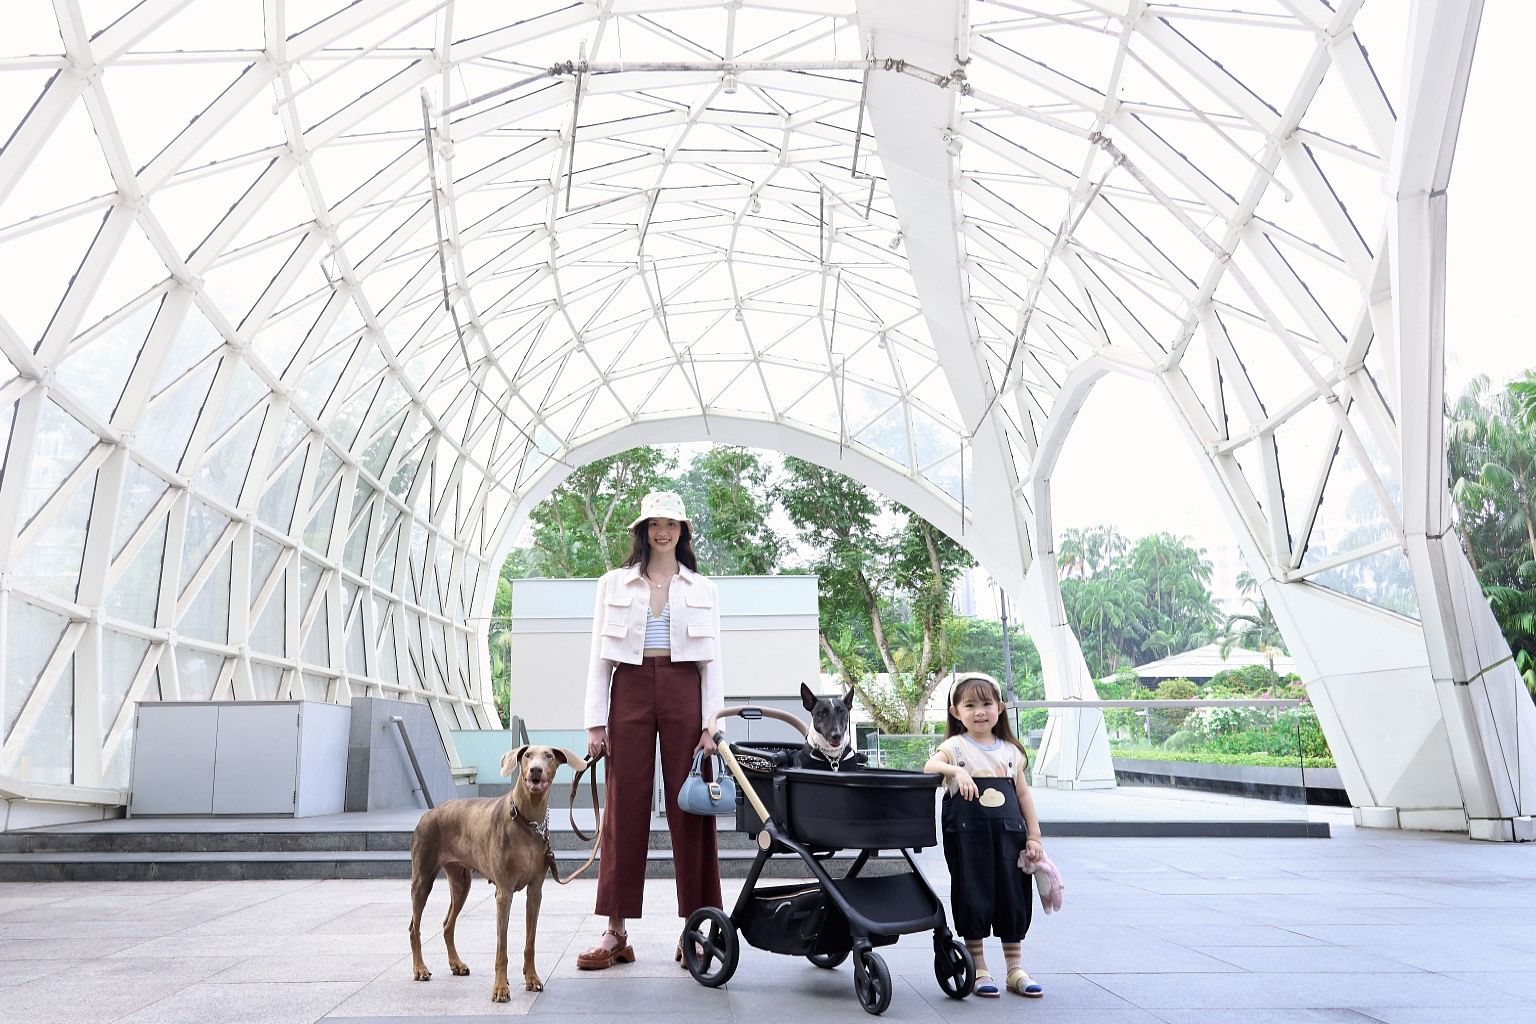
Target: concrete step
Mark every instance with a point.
(77, 840)
(213, 865)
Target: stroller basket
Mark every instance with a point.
(875, 809)
(795, 920)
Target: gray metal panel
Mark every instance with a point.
(768, 729)
(379, 775)
(258, 759)
(173, 751)
(323, 758)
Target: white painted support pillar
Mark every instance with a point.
(1074, 752)
(1489, 720)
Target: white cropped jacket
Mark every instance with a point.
(618, 634)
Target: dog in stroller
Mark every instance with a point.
(811, 813)
(829, 743)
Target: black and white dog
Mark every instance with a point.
(830, 743)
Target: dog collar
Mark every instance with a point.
(541, 829)
(833, 758)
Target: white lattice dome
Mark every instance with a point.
(305, 303)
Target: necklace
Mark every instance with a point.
(658, 586)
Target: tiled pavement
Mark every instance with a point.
(1398, 928)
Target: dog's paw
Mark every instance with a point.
(501, 994)
(459, 969)
(532, 983)
(420, 974)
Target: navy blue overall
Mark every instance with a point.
(989, 895)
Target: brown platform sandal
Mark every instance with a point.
(599, 958)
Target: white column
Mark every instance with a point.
(1488, 718)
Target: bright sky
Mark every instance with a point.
(1146, 479)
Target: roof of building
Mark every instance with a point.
(1205, 662)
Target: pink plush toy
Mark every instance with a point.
(1047, 880)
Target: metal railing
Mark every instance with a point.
(410, 751)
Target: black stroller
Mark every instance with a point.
(814, 814)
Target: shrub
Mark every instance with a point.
(1181, 740)
(1248, 680)
(1164, 722)
(1197, 756)
(907, 753)
(1176, 689)
(1209, 723)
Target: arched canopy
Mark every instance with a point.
(305, 299)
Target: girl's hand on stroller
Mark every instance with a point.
(597, 739)
(1033, 851)
(706, 744)
(965, 785)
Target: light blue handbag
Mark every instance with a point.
(700, 796)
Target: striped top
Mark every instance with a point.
(658, 631)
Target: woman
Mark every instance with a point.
(655, 673)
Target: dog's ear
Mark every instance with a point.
(510, 759)
(848, 699)
(570, 757)
(807, 697)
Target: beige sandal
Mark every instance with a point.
(1021, 983)
(600, 957)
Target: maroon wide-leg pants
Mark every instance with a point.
(657, 698)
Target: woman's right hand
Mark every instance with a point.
(597, 740)
(965, 785)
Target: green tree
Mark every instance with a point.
(725, 490)
(1253, 629)
(1175, 585)
(1089, 551)
(582, 528)
(1107, 612)
(1132, 603)
(1492, 461)
(884, 589)
(976, 645)
(499, 638)
(1491, 456)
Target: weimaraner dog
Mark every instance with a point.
(501, 838)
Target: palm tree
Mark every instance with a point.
(1516, 612)
(1102, 609)
(1088, 552)
(1492, 456)
(1254, 629)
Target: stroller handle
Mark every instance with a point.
(750, 711)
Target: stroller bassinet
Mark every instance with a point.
(811, 813)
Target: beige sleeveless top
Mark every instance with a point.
(979, 762)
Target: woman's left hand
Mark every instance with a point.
(1033, 850)
(706, 744)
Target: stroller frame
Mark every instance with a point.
(827, 921)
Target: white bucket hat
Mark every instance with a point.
(661, 505)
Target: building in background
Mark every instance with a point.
(768, 644)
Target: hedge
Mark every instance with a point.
(1211, 757)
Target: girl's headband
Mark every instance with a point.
(973, 677)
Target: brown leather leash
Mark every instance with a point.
(596, 838)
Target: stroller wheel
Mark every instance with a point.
(872, 981)
(710, 947)
(953, 966)
(829, 961)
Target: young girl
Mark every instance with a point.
(988, 817)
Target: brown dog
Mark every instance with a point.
(500, 838)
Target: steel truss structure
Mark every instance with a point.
(309, 302)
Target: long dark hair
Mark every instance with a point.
(640, 546)
(979, 684)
